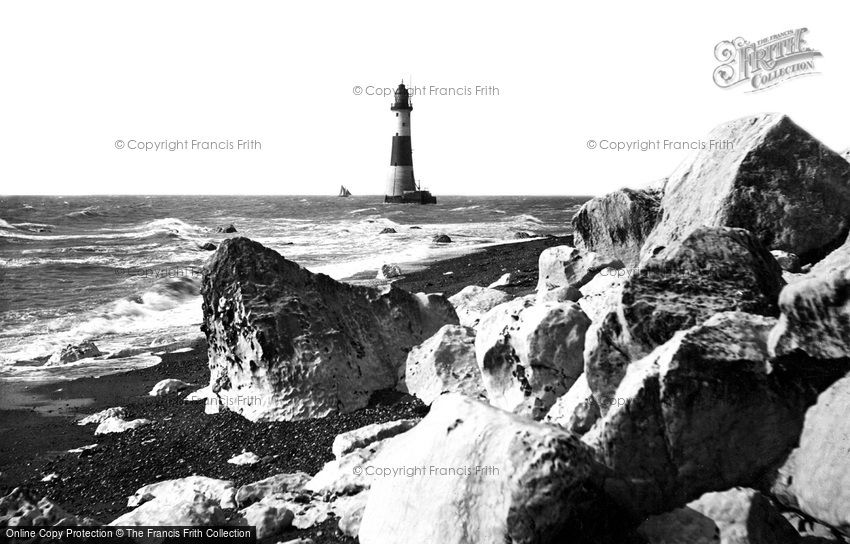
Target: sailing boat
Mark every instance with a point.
(343, 191)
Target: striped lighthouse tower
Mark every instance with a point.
(401, 185)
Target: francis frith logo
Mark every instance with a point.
(765, 63)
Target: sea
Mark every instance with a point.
(125, 271)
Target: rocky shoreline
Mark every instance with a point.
(96, 483)
(679, 372)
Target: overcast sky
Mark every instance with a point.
(77, 76)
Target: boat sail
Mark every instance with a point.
(343, 191)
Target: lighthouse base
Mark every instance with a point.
(411, 197)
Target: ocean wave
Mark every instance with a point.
(363, 210)
(165, 294)
(168, 227)
(90, 211)
(5, 225)
(170, 307)
(464, 208)
(83, 368)
(34, 227)
(527, 218)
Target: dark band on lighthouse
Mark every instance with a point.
(402, 154)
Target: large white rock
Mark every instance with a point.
(559, 294)
(168, 387)
(444, 363)
(565, 266)
(530, 355)
(577, 410)
(348, 475)
(485, 476)
(618, 223)
(705, 411)
(815, 478)
(472, 302)
(347, 442)
(287, 344)
(118, 425)
(71, 353)
(775, 180)
(602, 294)
(175, 510)
(745, 516)
(709, 270)
(270, 517)
(220, 491)
(815, 316)
(19, 509)
(117, 411)
(277, 484)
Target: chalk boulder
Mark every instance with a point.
(287, 344)
(347, 442)
(773, 179)
(530, 485)
(119, 425)
(617, 224)
(168, 387)
(348, 474)
(710, 270)
(705, 411)
(745, 516)
(219, 491)
(19, 509)
(576, 411)
(559, 294)
(444, 363)
(117, 411)
(74, 352)
(176, 510)
(473, 301)
(815, 317)
(269, 517)
(815, 478)
(273, 485)
(565, 266)
(530, 355)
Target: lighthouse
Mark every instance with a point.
(401, 185)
